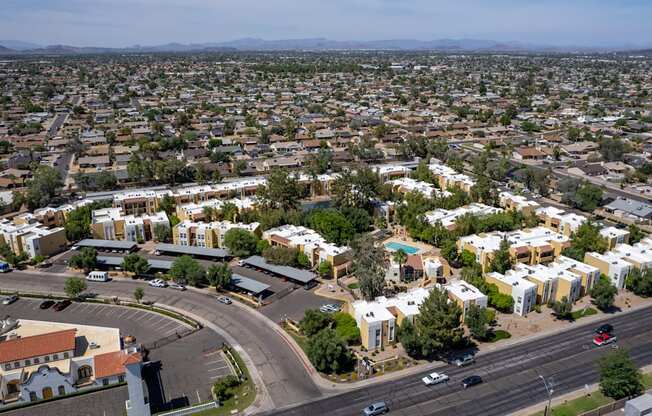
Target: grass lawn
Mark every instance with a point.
(498, 335)
(244, 395)
(589, 402)
(353, 285)
(582, 313)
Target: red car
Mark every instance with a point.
(603, 339)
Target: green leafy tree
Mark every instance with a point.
(603, 293)
(167, 204)
(619, 376)
(500, 301)
(562, 308)
(586, 239)
(332, 225)
(187, 269)
(86, 259)
(502, 260)
(328, 352)
(282, 190)
(635, 234)
(240, 242)
(284, 256)
(224, 388)
(74, 286)
(368, 264)
(135, 264)
(45, 184)
(161, 233)
(356, 189)
(78, 224)
(139, 294)
(438, 323)
(219, 275)
(409, 338)
(314, 321)
(477, 319)
(302, 259)
(325, 269)
(346, 328)
(640, 282)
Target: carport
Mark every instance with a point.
(108, 245)
(116, 261)
(199, 252)
(293, 274)
(250, 286)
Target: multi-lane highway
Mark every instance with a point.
(511, 376)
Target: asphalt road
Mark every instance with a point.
(511, 376)
(285, 377)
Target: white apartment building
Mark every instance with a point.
(589, 275)
(448, 217)
(514, 283)
(465, 294)
(32, 238)
(610, 264)
(408, 185)
(518, 203)
(206, 234)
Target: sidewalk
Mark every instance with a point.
(559, 400)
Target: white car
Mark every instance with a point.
(177, 286)
(434, 378)
(157, 283)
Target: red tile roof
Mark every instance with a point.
(113, 363)
(37, 345)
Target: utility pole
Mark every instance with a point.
(549, 389)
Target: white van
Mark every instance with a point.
(98, 276)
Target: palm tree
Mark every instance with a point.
(400, 257)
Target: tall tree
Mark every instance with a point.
(619, 376)
(400, 257)
(438, 323)
(74, 286)
(46, 182)
(369, 266)
(240, 242)
(585, 239)
(502, 260)
(477, 319)
(187, 269)
(219, 275)
(603, 293)
(282, 190)
(135, 264)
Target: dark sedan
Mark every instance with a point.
(471, 381)
(46, 304)
(61, 305)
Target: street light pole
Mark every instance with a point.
(550, 391)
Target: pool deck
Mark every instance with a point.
(423, 248)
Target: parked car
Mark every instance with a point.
(176, 286)
(603, 339)
(241, 263)
(464, 360)
(471, 381)
(604, 329)
(61, 305)
(46, 304)
(157, 283)
(224, 300)
(329, 308)
(434, 378)
(375, 409)
(93, 345)
(8, 300)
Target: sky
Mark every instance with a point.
(120, 23)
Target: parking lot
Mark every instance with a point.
(295, 304)
(178, 373)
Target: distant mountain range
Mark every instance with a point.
(312, 44)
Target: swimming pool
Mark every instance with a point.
(394, 246)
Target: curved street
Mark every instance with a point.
(282, 374)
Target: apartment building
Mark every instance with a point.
(207, 234)
(112, 224)
(530, 246)
(611, 265)
(560, 221)
(32, 238)
(519, 203)
(448, 178)
(41, 360)
(465, 295)
(196, 211)
(588, 274)
(514, 284)
(614, 236)
(378, 319)
(448, 217)
(638, 255)
(312, 245)
(57, 216)
(408, 185)
(553, 281)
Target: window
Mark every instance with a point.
(105, 382)
(32, 396)
(85, 371)
(37, 360)
(62, 390)
(55, 357)
(121, 379)
(66, 355)
(47, 358)
(7, 366)
(16, 364)
(28, 362)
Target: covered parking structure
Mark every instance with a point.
(108, 245)
(303, 277)
(113, 262)
(250, 286)
(198, 252)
